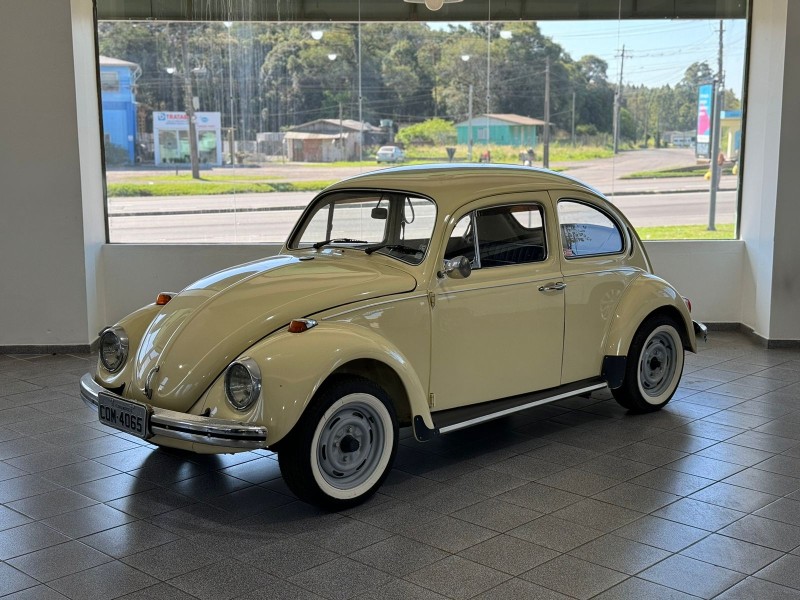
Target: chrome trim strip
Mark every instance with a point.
(186, 427)
(509, 411)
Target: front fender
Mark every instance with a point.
(646, 294)
(295, 365)
(135, 324)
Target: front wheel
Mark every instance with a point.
(344, 445)
(654, 366)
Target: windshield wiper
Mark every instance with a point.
(397, 247)
(319, 245)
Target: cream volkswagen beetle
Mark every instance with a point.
(436, 297)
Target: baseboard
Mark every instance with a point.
(758, 339)
(50, 348)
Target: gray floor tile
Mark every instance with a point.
(59, 561)
(151, 502)
(640, 589)
(540, 498)
(515, 589)
(224, 580)
(509, 554)
(496, 514)
(159, 591)
(783, 509)
(209, 485)
(12, 580)
(783, 465)
(681, 442)
(28, 538)
(673, 482)
(446, 499)
(487, 482)
(78, 473)
(735, 497)
(556, 534)
(397, 555)
(661, 533)
(636, 497)
(129, 539)
(574, 577)
(173, 559)
(616, 467)
(597, 515)
(708, 468)
(731, 553)
(24, 487)
(457, 577)
(764, 532)
(9, 472)
(620, 554)
(699, 514)
(340, 578)
(111, 488)
(397, 517)
(344, 536)
(50, 504)
(288, 557)
(784, 571)
(763, 481)
(752, 589)
(400, 589)
(450, 534)
(104, 582)
(38, 592)
(10, 518)
(87, 521)
(692, 576)
(579, 482)
(562, 454)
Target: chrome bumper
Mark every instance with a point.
(189, 428)
(700, 330)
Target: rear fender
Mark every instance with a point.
(644, 296)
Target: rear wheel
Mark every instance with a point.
(343, 447)
(654, 366)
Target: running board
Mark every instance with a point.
(466, 416)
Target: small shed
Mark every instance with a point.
(328, 140)
(501, 130)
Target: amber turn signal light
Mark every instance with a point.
(301, 325)
(163, 298)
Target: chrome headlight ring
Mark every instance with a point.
(242, 383)
(114, 347)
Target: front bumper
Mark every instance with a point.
(700, 330)
(186, 427)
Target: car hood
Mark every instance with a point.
(202, 329)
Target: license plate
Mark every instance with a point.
(127, 416)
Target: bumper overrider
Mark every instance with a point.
(181, 426)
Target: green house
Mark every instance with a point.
(501, 130)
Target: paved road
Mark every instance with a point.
(259, 218)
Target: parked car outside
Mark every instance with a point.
(390, 154)
(434, 297)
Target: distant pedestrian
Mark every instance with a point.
(720, 164)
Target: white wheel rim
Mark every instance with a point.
(660, 364)
(352, 445)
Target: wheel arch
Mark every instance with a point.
(648, 295)
(383, 375)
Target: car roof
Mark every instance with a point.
(452, 185)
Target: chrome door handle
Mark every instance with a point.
(553, 287)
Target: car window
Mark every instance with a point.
(345, 218)
(510, 235)
(587, 231)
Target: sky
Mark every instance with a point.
(657, 52)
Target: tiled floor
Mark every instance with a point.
(572, 500)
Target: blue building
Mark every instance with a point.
(118, 94)
(501, 130)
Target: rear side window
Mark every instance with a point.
(510, 235)
(586, 231)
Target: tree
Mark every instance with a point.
(433, 131)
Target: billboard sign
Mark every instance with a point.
(171, 136)
(705, 99)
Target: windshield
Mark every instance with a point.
(391, 223)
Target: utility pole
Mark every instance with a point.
(188, 97)
(341, 144)
(618, 103)
(469, 136)
(573, 118)
(716, 168)
(546, 153)
(488, 73)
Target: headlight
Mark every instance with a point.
(113, 348)
(242, 383)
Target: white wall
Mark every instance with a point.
(60, 283)
(45, 246)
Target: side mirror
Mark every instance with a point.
(459, 267)
(380, 214)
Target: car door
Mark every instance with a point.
(498, 332)
(594, 254)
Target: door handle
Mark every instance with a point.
(553, 287)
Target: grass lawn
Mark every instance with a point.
(693, 171)
(211, 186)
(686, 232)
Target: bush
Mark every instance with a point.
(433, 131)
(116, 155)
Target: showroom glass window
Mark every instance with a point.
(286, 102)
